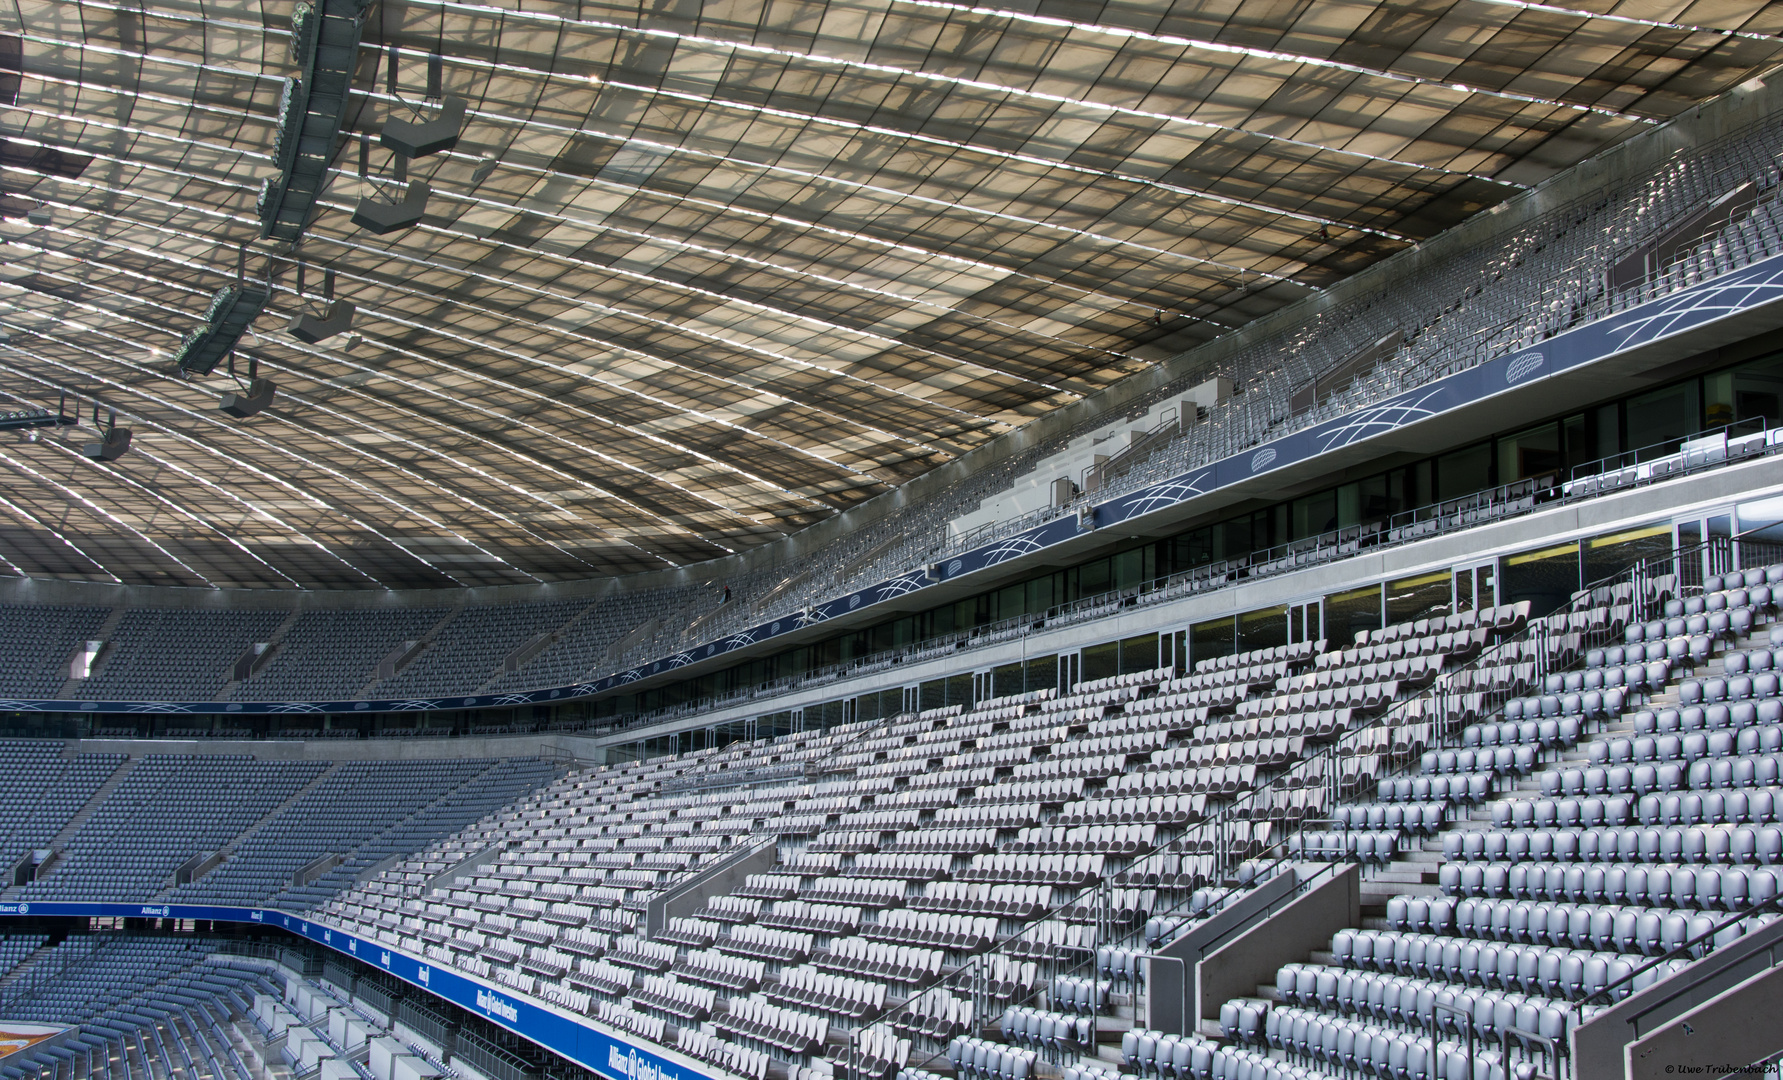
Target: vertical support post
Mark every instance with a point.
(1466, 1017)
(1551, 1051)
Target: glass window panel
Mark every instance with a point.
(1659, 420)
(1608, 430)
(1464, 471)
(1546, 578)
(1212, 639)
(1576, 447)
(1315, 514)
(1718, 399)
(1533, 452)
(1139, 653)
(1419, 597)
(1377, 498)
(1008, 679)
(1010, 600)
(1263, 629)
(1129, 569)
(1761, 529)
(1349, 505)
(1237, 541)
(1350, 613)
(1613, 554)
(1101, 661)
(1757, 392)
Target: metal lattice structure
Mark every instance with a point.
(694, 277)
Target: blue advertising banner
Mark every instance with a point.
(580, 1039)
(1703, 303)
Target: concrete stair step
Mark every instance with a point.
(1390, 876)
(1425, 889)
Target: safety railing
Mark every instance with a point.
(1226, 840)
(1660, 461)
(1573, 293)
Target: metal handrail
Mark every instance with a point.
(1689, 949)
(1429, 361)
(1411, 526)
(1237, 811)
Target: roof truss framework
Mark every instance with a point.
(736, 266)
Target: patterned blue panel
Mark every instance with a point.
(610, 1054)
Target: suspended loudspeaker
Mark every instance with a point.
(110, 445)
(241, 406)
(310, 329)
(374, 215)
(413, 140)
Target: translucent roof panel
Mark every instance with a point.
(696, 276)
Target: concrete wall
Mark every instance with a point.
(1736, 1028)
(690, 897)
(1304, 926)
(1600, 1048)
(1593, 517)
(1169, 978)
(465, 867)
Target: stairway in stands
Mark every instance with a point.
(97, 800)
(72, 686)
(274, 642)
(1414, 872)
(1656, 828)
(297, 796)
(26, 964)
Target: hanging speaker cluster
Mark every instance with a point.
(407, 140)
(112, 440)
(414, 139)
(379, 216)
(336, 317)
(110, 446)
(257, 396)
(249, 400)
(310, 329)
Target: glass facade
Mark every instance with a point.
(1640, 427)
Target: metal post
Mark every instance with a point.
(1188, 1024)
(1552, 1051)
(1466, 1029)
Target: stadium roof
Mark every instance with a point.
(698, 274)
